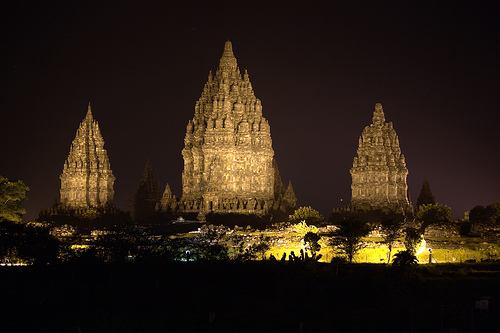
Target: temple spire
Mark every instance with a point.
(228, 61)
(379, 172)
(228, 49)
(426, 197)
(228, 149)
(378, 115)
(168, 201)
(89, 112)
(147, 196)
(87, 180)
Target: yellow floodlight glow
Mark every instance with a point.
(79, 246)
(421, 247)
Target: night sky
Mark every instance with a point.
(318, 68)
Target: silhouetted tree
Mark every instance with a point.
(465, 228)
(348, 238)
(302, 258)
(486, 217)
(478, 215)
(413, 240)
(311, 240)
(405, 259)
(391, 231)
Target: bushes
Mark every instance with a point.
(405, 259)
(307, 214)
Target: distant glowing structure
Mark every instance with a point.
(87, 180)
(228, 154)
(168, 201)
(379, 171)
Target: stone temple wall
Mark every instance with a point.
(379, 171)
(228, 154)
(87, 180)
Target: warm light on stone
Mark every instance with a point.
(87, 180)
(379, 171)
(228, 154)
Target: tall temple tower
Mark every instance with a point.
(87, 180)
(379, 171)
(168, 201)
(228, 154)
(147, 197)
(426, 197)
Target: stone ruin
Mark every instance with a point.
(229, 165)
(149, 205)
(87, 179)
(378, 173)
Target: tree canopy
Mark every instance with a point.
(488, 216)
(311, 242)
(348, 237)
(405, 259)
(12, 193)
(433, 214)
(413, 240)
(307, 214)
(391, 230)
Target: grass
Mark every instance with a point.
(444, 250)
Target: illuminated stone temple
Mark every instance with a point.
(87, 179)
(228, 154)
(168, 201)
(379, 170)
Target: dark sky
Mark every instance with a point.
(318, 67)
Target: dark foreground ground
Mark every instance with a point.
(249, 297)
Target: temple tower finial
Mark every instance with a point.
(378, 115)
(89, 112)
(228, 61)
(228, 49)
